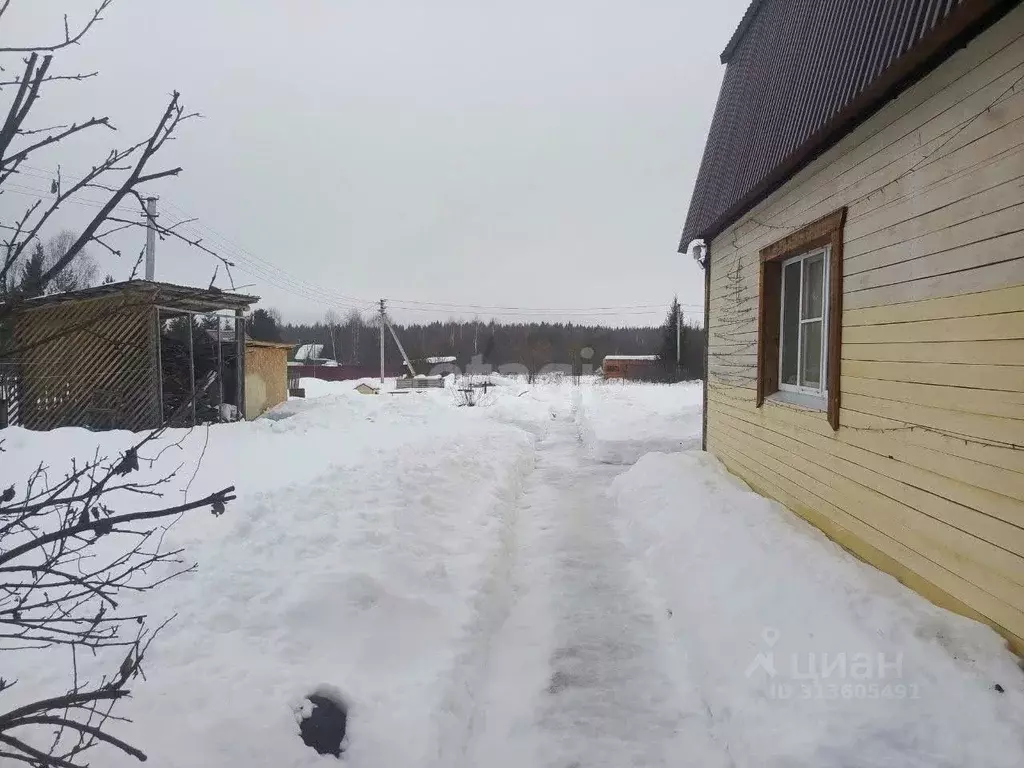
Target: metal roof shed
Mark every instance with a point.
(92, 358)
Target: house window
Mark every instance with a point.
(803, 334)
(800, 315)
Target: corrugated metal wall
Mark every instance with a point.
(796, 66)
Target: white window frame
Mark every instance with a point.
(822, 389)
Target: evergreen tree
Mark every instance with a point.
(263, 326)
(669, 330)
(32, 270)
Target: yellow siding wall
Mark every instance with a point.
(266, 379)
(925, 477)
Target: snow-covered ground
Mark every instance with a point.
(549, 579)
(620, 421)
(803, 654)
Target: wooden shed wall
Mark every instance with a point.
(266, 378)
(87, 364)
(925, 477)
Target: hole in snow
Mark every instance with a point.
(323, 717)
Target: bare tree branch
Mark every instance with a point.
(52, 79)
(69, 39)
(100, 526)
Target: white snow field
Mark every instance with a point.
(553, 579)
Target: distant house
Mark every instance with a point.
(312, 354)
(438, 365)
(861, 204)
(633, 367)
(104, 358)
(366, 389)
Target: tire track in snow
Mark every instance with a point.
(582, 673)
(460, 709)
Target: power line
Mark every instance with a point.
(548, 313)
(410, 304)
(443, 305)
(279, 278)
(40, 193)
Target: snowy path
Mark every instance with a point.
(553, 580)
(582, 674)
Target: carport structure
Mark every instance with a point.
(105, 358)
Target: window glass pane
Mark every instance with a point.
(810, 355)
(790, 323)
(814, 274)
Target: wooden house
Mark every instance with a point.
(632, 367)
(861, 203)
(103, 358)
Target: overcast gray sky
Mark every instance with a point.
(502, 153)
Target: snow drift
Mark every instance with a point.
(805, 655)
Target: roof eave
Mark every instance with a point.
(176, 297)
(962, 26)
(741, 30)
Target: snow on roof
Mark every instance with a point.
(635, 358)
(309, 351)
(437, 360)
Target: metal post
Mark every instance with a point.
(160, 363)
(192, 363)
(240, 363)
(150, 237)
(220, 372)
(382, 315)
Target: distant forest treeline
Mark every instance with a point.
(352, 341)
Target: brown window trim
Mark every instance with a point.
(828, 230)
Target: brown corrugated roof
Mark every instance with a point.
(801, 74)
(741, 30)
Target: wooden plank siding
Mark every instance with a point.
(87, 364)
(925, 476)
(266, 377)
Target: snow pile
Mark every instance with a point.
(620, 421)
(533, 408)
(365, 532)
(805, 655)
(321, 387)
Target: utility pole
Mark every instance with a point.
(240, 363)
(383, 314)
(150, 237)
(398, 341)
